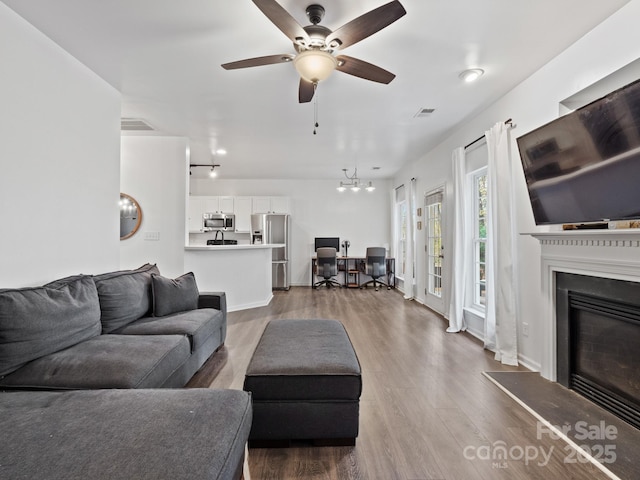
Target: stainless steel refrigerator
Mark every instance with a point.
(274, 228)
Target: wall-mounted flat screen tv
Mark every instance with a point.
(585, 166)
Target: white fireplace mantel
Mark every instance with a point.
(599, 253)
(600, 237)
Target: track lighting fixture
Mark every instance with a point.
(212, 167)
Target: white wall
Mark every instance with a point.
(317, 210)
(153, 171)
(608, 47)
(59, 161)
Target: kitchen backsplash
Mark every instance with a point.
(201, 238)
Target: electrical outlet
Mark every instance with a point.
(525, 329)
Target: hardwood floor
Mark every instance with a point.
(426, 410)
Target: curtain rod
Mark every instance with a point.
(508, 121)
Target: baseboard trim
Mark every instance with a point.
(247, 306)
(528, 363)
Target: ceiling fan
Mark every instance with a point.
(315, 44)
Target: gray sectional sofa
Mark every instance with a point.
(172, 434)
(125, 329)
(90, 370)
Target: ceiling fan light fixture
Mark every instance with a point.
(471, 75)
(315, 65)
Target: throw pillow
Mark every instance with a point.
(38, 321)
(125, 296)
(174, 295)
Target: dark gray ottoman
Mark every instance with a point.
(305, 382)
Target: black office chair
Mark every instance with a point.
(375, 267)
(327, 266)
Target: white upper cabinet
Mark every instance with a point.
(270, 205)
(196, 209)
(280, 205)
(241, 207)
(218, 204)
(260, 204)
(242, 210)
(226, 204)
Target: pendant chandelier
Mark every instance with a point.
(354, 183)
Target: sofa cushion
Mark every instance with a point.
(106, 361)
(124, 434)
(197, 325)
(174, 295)
(124, 296)
(35, 322)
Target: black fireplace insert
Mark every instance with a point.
(598, 341)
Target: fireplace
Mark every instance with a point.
(598, 341)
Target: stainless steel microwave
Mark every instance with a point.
(218, 221)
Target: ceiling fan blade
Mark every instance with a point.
(362, 69)
(366, 25)
(282, 19)
(306, 91)
(259, 61)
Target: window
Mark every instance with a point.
(401, 233)
(433, 203)
(479, 240)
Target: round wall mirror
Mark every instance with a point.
(130, 216)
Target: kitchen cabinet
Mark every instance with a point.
(218, 204)
(201, 204)
(270, 205)
(196, 208)
(242, 207)
(242, 211)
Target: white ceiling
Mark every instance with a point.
(164, 56)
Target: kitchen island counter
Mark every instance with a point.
(243, 272)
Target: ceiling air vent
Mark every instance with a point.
(424, 112)
(135, 124)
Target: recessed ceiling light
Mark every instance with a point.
(471, 75)
(221, 151)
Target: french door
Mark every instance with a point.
(434, 250)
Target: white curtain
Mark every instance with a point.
(458, 256)
(410, 274)
(394, 219)
(500, 322)
(399, 196)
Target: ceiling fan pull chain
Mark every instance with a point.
(315, 107)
